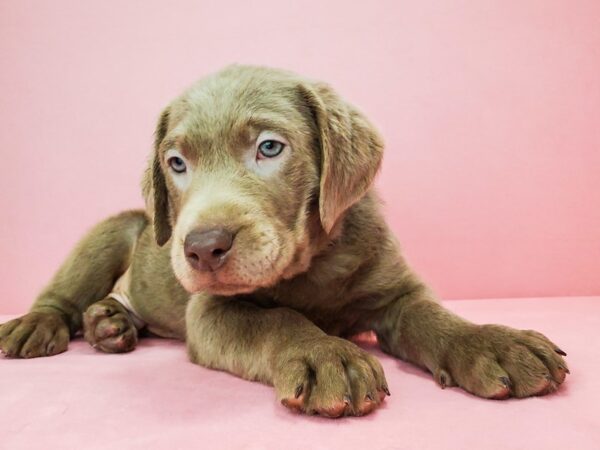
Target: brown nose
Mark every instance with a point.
(206, 250)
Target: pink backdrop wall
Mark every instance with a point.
(490, 110)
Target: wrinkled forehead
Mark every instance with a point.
(230, 111)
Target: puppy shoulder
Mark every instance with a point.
(366, 233)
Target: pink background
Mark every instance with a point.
(490, 110)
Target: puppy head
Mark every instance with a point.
(251, 169)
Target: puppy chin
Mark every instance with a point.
(229, 290)
(194, 285)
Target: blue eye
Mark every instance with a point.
(270, 148)
(177, 164)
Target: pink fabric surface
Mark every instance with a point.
(489, 109)
(154, 398)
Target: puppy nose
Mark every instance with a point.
(206, 250)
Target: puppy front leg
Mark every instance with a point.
(311, 371)
(87, 276)
(490, 361)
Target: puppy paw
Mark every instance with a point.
(329, 376)
(498, 362)
(34, 334)
(107, 326)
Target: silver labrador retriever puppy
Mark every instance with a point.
(263, 247)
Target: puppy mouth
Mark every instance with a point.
(247, 267)
(216, 284)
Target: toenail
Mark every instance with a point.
(506, 381)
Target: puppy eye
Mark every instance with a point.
(270, 148)
(177, 164)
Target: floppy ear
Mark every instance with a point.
(351, 152)
(154, 187)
